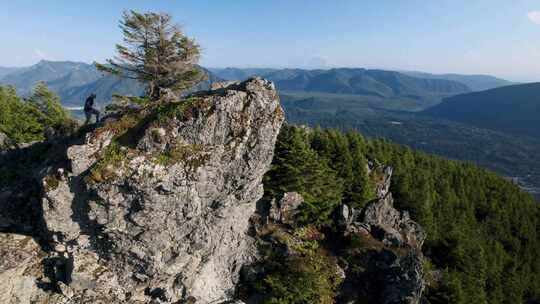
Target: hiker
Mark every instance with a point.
(89, 109)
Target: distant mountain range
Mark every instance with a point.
(512, 109)
(412, 91)
(5, 71)
(361, 82)
(474, 82)
(74, 81)
(240, 73)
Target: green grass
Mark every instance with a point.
(192, 155)
(128, 130)
(107, 167)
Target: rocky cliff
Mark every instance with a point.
(151, 207)
(162, 204)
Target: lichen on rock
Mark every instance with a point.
(156, 209)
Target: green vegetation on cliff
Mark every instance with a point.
(482, 230)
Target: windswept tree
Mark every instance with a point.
(155, 52)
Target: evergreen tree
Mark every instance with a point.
(17, 119)
(297, 167)
(155, 52)
(27, 121)
(48, 105)
(361, 189)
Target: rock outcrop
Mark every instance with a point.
(380, 218)
(285, 210)
(154, 207)
(21, 269)
(379, 247)
(392, 253)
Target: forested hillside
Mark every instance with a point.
(378, 84)
(474, 82)
(511, 156)
(482, 231)
(512, 109)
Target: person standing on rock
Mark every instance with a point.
(89, 109)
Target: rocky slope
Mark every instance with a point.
(376, 250)
(393, 261)
(152, 207)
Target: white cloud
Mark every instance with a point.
(41, 55)
(534, 16)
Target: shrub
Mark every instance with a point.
(310, 278)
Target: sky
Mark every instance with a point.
(497, 37)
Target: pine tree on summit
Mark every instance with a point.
(157, 53)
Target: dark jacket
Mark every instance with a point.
(89, 103)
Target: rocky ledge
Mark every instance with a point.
(392, 254)
(151, 207)
(385, 267)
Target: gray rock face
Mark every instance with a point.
(397, 226)
(285, 210)
(405, 280)
(393, 227)
(20, 266)
(399, 262)
(169, 221)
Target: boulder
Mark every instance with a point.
(286, 209)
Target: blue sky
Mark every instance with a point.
(499, 37)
